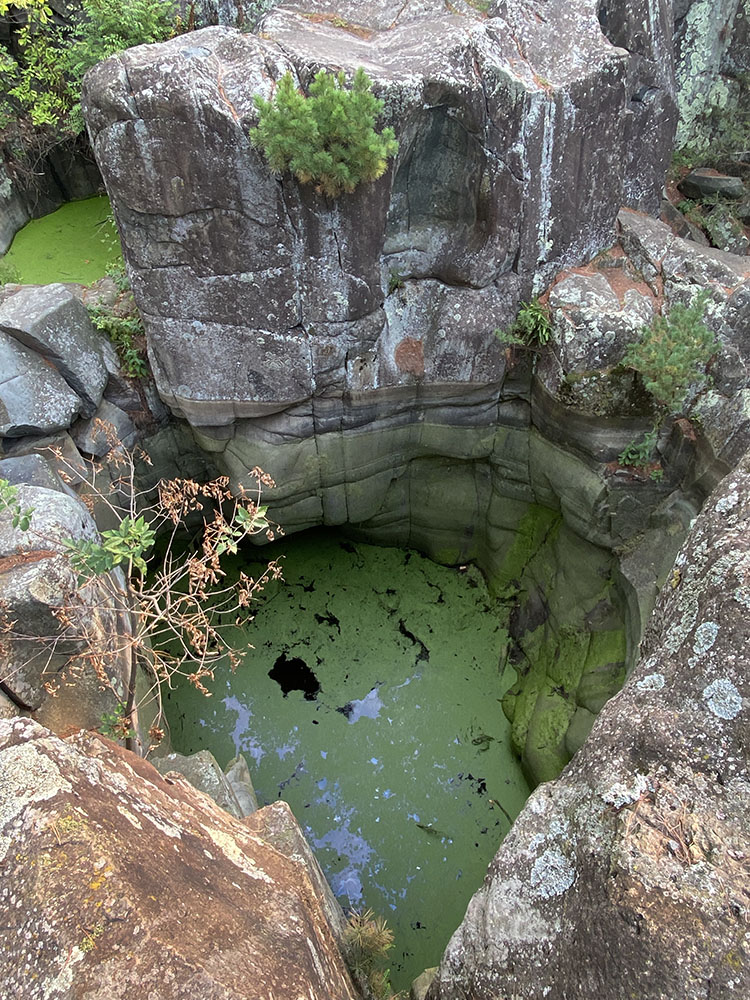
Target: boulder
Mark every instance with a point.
(202, 770)
(34, 398)
(36, 581)
(632, 867)
(122, 883)
(51, 321)
(109, 427)
(704, 182)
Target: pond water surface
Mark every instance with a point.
(371, 704)
(78, 242)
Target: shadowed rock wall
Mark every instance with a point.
(629, 874)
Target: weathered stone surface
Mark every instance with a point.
(51, 321)
(644, 29)
(703, 182)
(639, 849)
(32, 470)
(678, 270)
(14, 212)
(259, 295)
(276, 824)
(128, 885)
(34, 398)
(35, 580)
(98, 435)
(711, 54)
(203, 772)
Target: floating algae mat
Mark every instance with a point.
(78, 242)
(371, 704)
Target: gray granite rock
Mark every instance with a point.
(108, 427)
(34, 398)
(257, 293)
(36, 580)
(702, 183)
(51, 321)
(161, 892)
(203, 772)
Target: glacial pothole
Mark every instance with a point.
(372, 704)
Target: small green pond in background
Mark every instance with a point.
(371, 704)
(78, 242)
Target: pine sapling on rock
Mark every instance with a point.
(327, 139)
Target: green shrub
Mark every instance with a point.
(671, 354)
(532, 326)
(638, 453)
(45, 81)
(327, 139)
(122, 331)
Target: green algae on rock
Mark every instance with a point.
(76, 243)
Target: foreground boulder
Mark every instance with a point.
(629, 876)
(120, 883)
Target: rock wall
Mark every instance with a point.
(712, 61)
(349, 347)
(630, 872)
(118, 882)
(259, 294)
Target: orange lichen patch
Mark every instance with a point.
(24, 558)
(620, 278)
(620, 281)
(339, 22)
(409, 356)
(685, 428)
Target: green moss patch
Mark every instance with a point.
(77, 243)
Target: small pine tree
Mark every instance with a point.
(673, 352)
(327, 139)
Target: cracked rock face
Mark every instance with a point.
(118, 882)
(637, 854)
(260, 295)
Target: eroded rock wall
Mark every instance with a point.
(630, 871)
(259, 295)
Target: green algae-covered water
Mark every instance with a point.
(78, 242)
(371, 704)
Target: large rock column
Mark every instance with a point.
(261, 296)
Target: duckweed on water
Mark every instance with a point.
(78, 242)
(371, 703)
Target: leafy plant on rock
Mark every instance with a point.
(327, 139)
(671, 355)
(638, 453)
(177, 616)
(123, 331)
(532, 326)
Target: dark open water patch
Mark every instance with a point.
(293, 674)
(371, 703)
